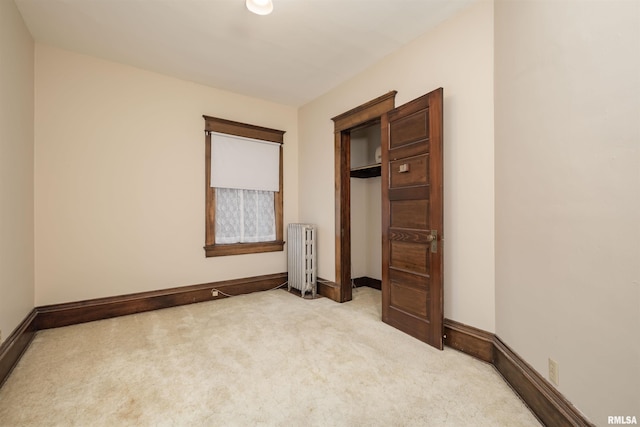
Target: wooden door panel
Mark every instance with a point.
(416, 172)
(409, 129)
(409, 236)
(409, 214)
(409, 256)
(408, 193)
(416, 281)
(412, 214)
(409, 300)
(410, 150)
(406, 322)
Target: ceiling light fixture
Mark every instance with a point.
(260, 7)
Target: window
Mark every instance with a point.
(243, 193)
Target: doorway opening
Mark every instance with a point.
(366, 206)
(346, 126)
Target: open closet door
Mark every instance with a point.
(412, 211)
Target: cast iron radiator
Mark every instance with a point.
(301, 258)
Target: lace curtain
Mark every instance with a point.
(244, 216)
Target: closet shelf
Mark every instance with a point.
(366, 171)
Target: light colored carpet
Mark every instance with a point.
(268, 358)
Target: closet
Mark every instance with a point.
(366, 229)
(393, 231)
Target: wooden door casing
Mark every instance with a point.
(412, 208)
(343, 124)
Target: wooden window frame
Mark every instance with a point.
(214, 124)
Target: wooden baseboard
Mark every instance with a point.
(328, 289)
(16, 344)
(467, 339)
(544, 400)
(331, 290)
(367, 281)
(54, 316)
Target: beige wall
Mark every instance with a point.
(366, 232)
(119, 169)
(366, 208)
(119, 172)
(359, 227)
(16, 169)
(458, 56)
(374, 230)
(568, 195)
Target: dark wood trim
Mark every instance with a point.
(215, 124)
(243, 248)
(209, 198)
(53, 316)
(328, 289)
(343, 214)
(367, 281)
(367, 112)
(16, 344)
(344, 123)
(278, 200)
(467, 339)
(57, 315)
(545, 401)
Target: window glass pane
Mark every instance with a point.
(228, 215)
(244, 216)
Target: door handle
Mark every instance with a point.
(432, 238)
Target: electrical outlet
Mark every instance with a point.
(554, 372)
(214, 293)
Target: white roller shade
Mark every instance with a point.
(244, 163)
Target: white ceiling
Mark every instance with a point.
(300, 51)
